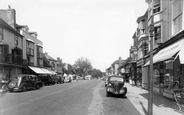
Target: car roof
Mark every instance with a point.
(115, 76)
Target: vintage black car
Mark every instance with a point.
(46, 79)
(23, 82)
(116, 86)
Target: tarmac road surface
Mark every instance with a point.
(83, 97)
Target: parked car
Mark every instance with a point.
(59, 79)
(116, 86)
(106, 81)
(23, 82)
(4, 80)
(67, 79)
(46, 79)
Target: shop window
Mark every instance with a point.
(156, 77)
(1, 34)
(177, 15)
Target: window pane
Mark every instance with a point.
(16, 40)
(1, 50)
(1, 34)
(1, 31)
(156, 1)
(27, 44)
(31, 59)
(1, 37)
(177, 8)
(178, 23)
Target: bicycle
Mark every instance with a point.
(178, 105)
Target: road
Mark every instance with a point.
(77, 98)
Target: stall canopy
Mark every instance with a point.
(53, 72)
(168, 52)
(37, 70)
(46, 71)
(181, 56)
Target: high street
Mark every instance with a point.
(83, 97)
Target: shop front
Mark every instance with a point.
(139, 64)
(168, 69)
(133, 73)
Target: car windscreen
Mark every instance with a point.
(116, 79)
(15, 77)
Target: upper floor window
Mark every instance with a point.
(142, 26)
(177, 15)
(156, 7)
(1, 34)
(30, 48)
(1, 49)
(144, 47)
(39, 51)
(157, 34)
(16, 40)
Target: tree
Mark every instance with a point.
(82, 66)
(96, 73)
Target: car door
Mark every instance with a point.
(29, 81)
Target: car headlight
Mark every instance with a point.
(3, 81)
(12, 84)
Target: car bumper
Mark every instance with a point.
(15, 89)
(123, 91)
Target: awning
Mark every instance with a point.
(37, 70)
(167, 52)
(46, 71)
(53, 72)
(181, 56)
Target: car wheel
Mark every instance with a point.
(123, 96)
(10, 90)
(107, 94)
(24, 88)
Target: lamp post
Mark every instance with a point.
(150, 97)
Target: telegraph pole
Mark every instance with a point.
(150, 97)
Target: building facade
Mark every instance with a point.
(21, 51)
(11, 50)
(167, 61)
(142, 47)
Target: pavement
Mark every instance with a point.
(161, 105)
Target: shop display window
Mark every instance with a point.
(156, 78)
(168, 81)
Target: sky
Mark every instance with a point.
(99, 30)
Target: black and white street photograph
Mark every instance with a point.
(92, 57)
